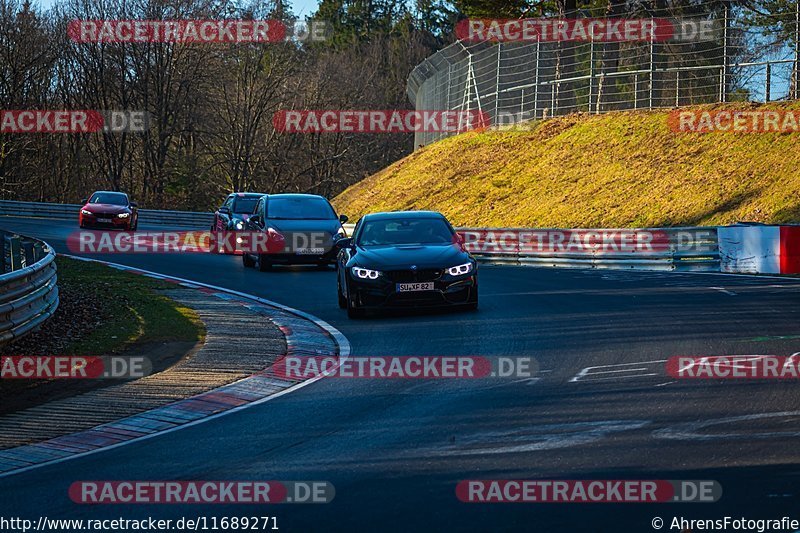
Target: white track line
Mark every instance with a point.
(341, 340)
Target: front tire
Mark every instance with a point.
(248, 261)
(342, 299)
(263, 264)
(472, 303)
(352, 310)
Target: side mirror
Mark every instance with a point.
(85, 201)
(343, 218)
(225, 210)
(134, 204)
(347, 242)
(255, 219)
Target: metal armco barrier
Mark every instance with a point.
(645, 249)
(691, 248)
(28, 291)
(70, 212)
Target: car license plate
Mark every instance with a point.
(104, 220)
(414, 287)
(310, 251)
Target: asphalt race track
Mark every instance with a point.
(395, 449)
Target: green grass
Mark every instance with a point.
(625, 169)
(132, 308)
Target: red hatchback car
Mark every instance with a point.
(108, 209)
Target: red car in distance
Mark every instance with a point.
(109, 209)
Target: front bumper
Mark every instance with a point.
(328, 257)
(382, 293)
(92, 221)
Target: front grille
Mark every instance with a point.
(411, 276)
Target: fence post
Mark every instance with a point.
(724, 88)
(652, 72)
(449, 84)
(16, 255)
(27, 248)
(636, 91)
(768, 83)
(3, 251)
(599, 98)
(796, 49)
(591, 73)
(497, 85)
(536, 79)
(677, 88)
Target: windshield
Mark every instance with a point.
(245, 204)
(113, 198)
(301, 208)
(415, 231)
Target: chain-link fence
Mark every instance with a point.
(519, 81)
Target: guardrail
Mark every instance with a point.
(694, 248)
(70, 212)
(28, 290)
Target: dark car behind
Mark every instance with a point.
(109, 209)
(235, 210)
(306, 225)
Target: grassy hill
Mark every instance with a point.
(624, 169)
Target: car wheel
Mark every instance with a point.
(342, 299)
(472, 303)
(352, 310)
(248, 261)
(263, 264)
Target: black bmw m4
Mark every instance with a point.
(405, 259)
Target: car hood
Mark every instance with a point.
(331, 226)
(240, 216)
(106, 208)
(404, 256)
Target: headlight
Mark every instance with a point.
(239, 224)
(85, 212)
(123, 215)
(365, 273)
(460, 270)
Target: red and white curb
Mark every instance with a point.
(305, 334)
